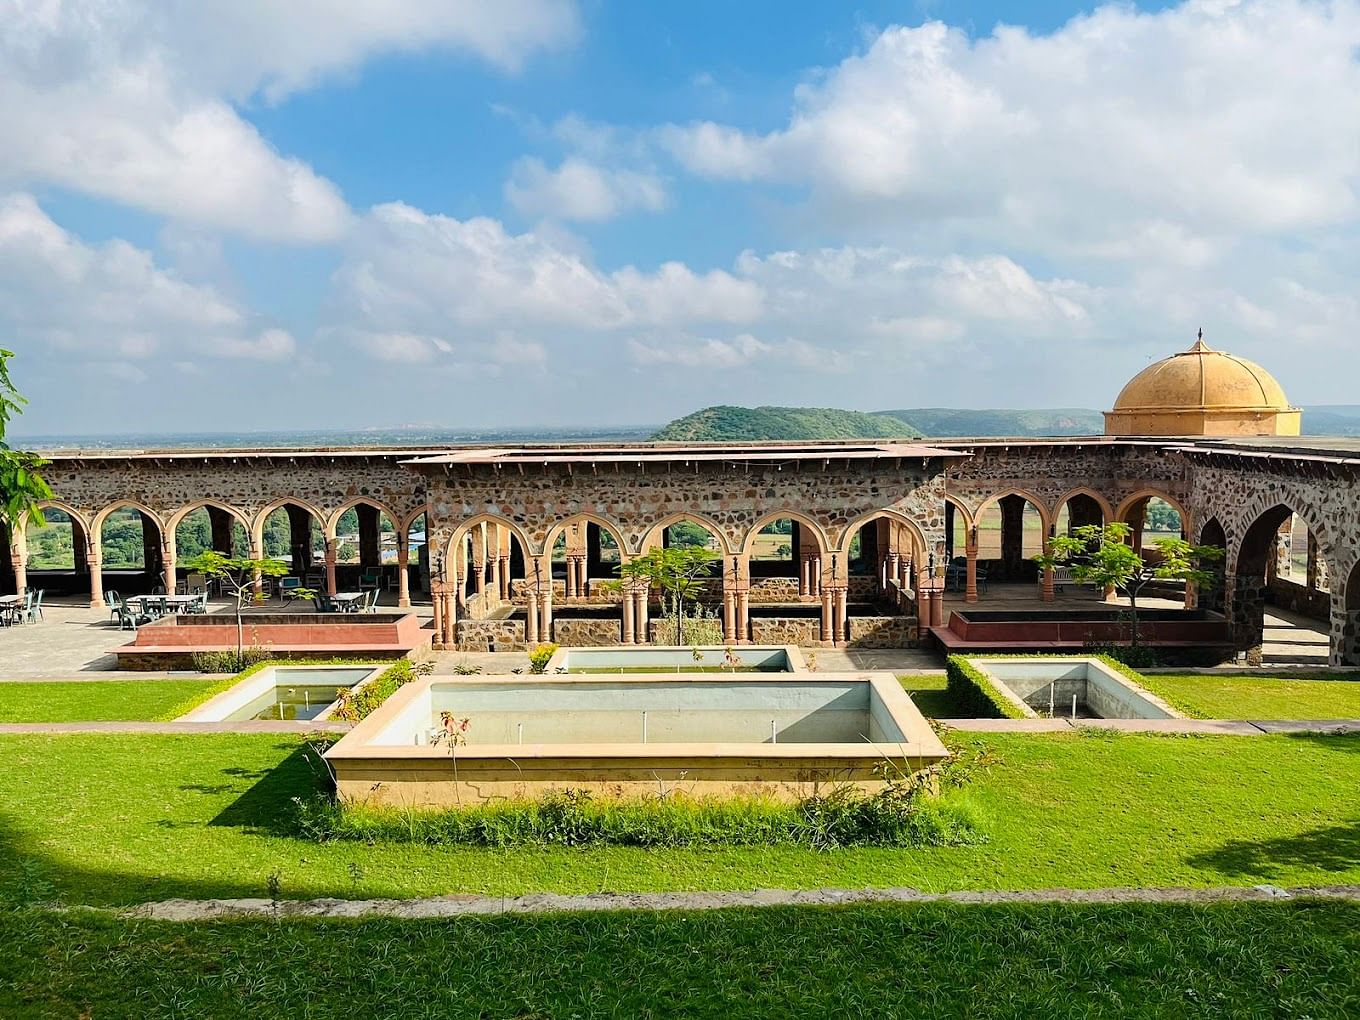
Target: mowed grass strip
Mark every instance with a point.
(98, 700)
(898, 961)
(931, 696)
(1208, 696)
(117, 819)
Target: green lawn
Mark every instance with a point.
(930, 696)
(1249, 960)
(1259, 697)
(99, 700)
(111, 819)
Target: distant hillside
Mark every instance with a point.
(950, 421)
(1332, 420)
(737, 424)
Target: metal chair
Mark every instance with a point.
(35, 606)
(129, 618)
(288, 588)
(112, 599)
(371, 601)
(325, 603)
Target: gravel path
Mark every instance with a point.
(548, 903)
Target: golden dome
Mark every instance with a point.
(1202, 392)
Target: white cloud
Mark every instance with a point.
(580, 190)
(133, 101)
(59, 294)
(1121, 134)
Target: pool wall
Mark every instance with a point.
(387, 758)
(767, 658)
(1107, 693)
(231, 701)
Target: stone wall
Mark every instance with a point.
(883, 632)
(491, 636)
(587, 632)
(785, 630)
(1299, 598)
(775, 589)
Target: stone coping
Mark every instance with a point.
(1223, 727)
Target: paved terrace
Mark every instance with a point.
(75, 641)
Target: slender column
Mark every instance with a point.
(803, 585)
(743, 620)
(169, 562)
(842, 619)
(828, 633)
(437, 603)
(643, 596)
(505, 577)
(403, 571)
(1047, 590)
(628, 611)
(970, 549)
(450, 621)
(937, 604)
(531, 618)
(18, 557)
(256, 553)
(330, 564)
(545, 605)
(815, 576)
(93, 558)
(729, 617)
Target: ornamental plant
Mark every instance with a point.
(1101, 555)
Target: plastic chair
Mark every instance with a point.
(288, 588)
(35, 609)
(324, 603)
(113, 600)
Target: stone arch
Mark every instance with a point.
(174, 520)
(1045, 513)
(815, 529)
(127, 504)
(465, 527)
(1345, 622)
(56, 504)
(1257, 506)
(656, 530)
(585, 517)
(262, 517)
(1250, 555)
(1127, 504)
(333, 521)
(1106, 511)
(839, 568)
(960, 507)
(410, 518)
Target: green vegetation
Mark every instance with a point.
(540, 655)
(679, 573)
(355, 705)
(886, 961)
(904, 813)
(741, 424)
(124, 818)
(972, 691)
(1216, 696)
(952, 421)
(101, 700)
(21, 482)
(932, 696)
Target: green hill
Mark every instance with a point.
(952, 421)
(737, 424)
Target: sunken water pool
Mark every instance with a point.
(283, 693)
(675, 659)
(1078, 688)
(777, 734)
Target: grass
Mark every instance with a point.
(1259, 697)
(101, 700)
(932, 697)
(1247, 960)
(116, 819)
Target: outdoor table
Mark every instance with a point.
(8, 603)
(346, 599)
(174, 603)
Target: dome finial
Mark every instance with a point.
(1200, 347)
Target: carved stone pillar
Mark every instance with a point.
(437, 602)
(743, 617)
(531, 617)
(970, 588)
(828, 628)
(330, 565)
(841, 621)
(629, 612)
(403, 571)
(643, 594)
(729, 617)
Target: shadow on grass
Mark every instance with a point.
(1331, 848)
(267, 807)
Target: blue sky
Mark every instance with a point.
(229, 215)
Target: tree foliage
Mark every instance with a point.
(678, 572)
(1101, 555)
(236, 576)
(22, 485)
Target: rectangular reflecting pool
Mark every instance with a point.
(779, 735)
(299, 693)
(674, 659)
(1082, 688)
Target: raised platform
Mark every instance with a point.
(1046, 630)
(171, 643)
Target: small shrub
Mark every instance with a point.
(228, 661)
(1140, 657)
(539, 656)
(701, 627)
(356, 703)
(972, 690)
(913, 809)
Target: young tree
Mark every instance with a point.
(237, 576)
(678, 571)
(21, 483)
(1101, 555)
